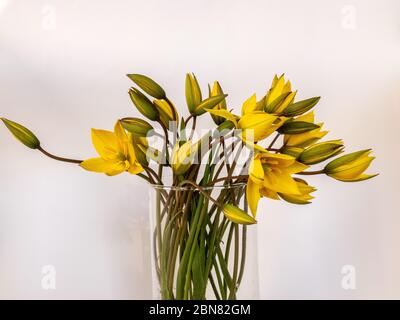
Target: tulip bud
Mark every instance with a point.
(167, 112)
(182, 157)
(136, 126)
(321, 151)
(208, 103)
(143, 104)
(193, 92)
(217, 90)
(350, 167)
(296, 127)
(22, 134)
(148, 85)
(237, 215)
(292, 151)
(300, 107)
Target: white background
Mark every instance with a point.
(63, 66)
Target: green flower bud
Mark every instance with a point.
(136, 126)
(22, 134)
(193, 92)
(292, 151)
(208, 103)
(143, 104)
(148, 85)
(296, 127)
(300, 107)
(321, 151)
(351, 167)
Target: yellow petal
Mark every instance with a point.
(105, 143)
(253, 196)
(281, 182)
(276, 91)
(135, 168)
(277, 159)
(224, 114)
(249, 105)
(261, 123)
(269, 193)
(103, 166)
(256, 171)
(308, 117)
(120, 132)
(296, 167)
(122, 138)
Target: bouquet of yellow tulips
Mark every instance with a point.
(203, 185)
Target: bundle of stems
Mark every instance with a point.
(197, 251)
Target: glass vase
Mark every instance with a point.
(197, 253)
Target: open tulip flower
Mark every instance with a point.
(283, 139)
(116, 153)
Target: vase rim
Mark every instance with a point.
(216, 186)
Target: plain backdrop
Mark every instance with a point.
(62, 72)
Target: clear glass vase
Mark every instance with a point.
(197, 253)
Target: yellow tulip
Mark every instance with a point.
(350, 167)
(305, 139)
(237, 215)
(271, 174)
(279, 96)
(254, 122)
(116, 153)
(167, 112)
(216, 91)
(304, 197)
(261, 123)
(182, 157)
(257, 124)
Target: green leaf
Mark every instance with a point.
(198, 266)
